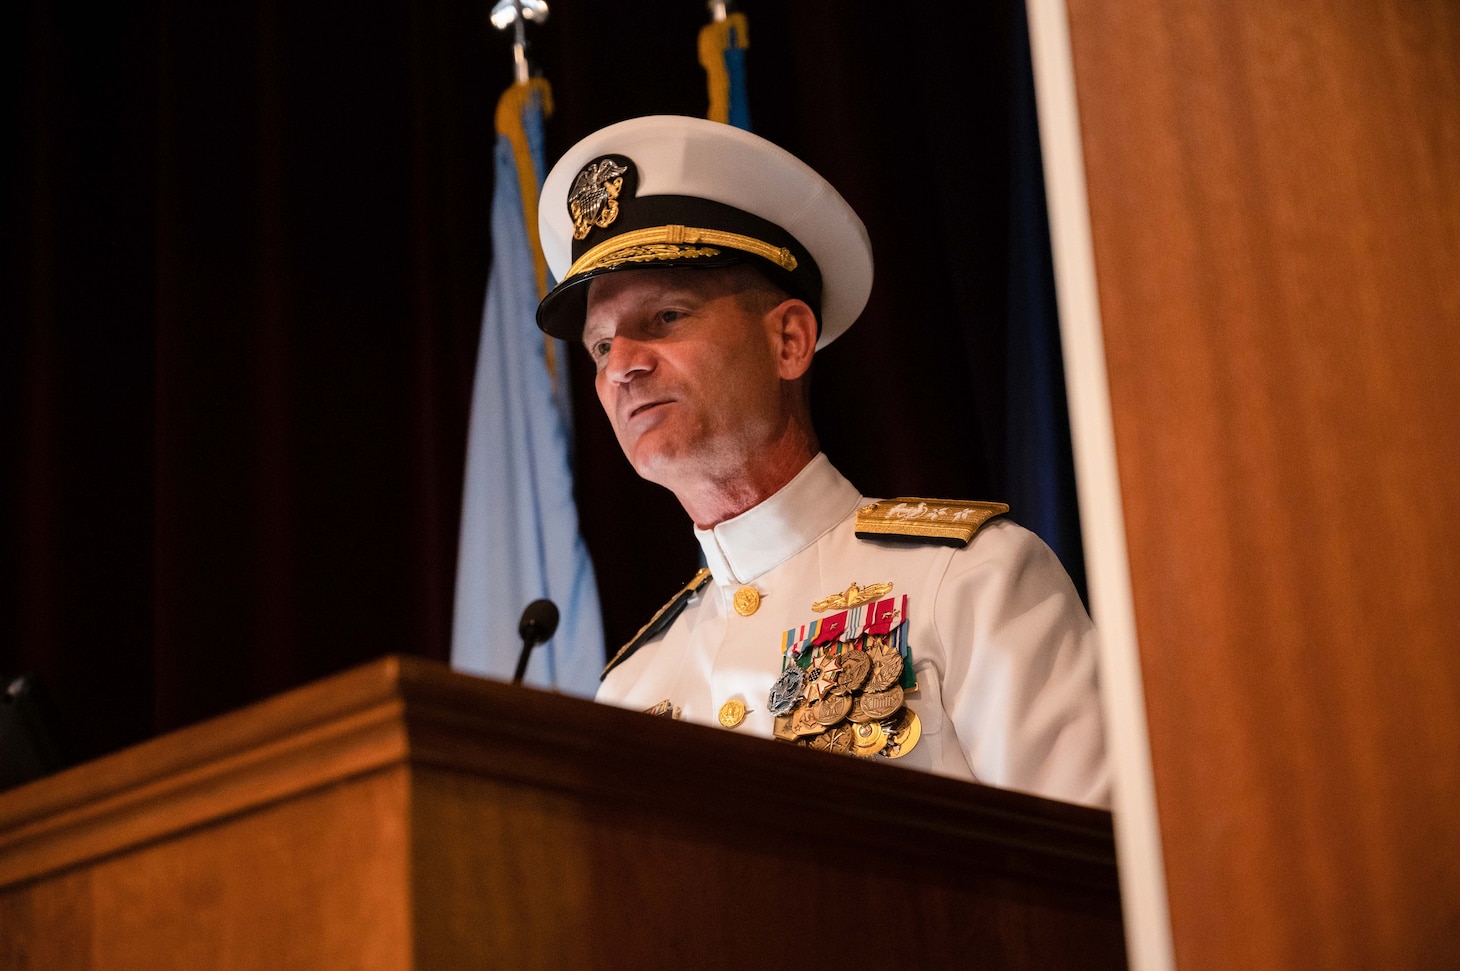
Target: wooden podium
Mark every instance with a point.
(401, 815)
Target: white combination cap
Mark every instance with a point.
(672, 190)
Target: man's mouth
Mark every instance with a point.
(640, 409)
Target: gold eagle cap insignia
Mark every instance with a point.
(594, 198)
(852, 596)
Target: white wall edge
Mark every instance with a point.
(1102, 523)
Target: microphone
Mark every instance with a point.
(539, 620)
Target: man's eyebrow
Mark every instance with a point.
(660, 294)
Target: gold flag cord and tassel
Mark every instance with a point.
(717, 37)
(509, 123)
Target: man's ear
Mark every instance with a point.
(796, 327)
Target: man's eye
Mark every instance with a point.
(599, 349)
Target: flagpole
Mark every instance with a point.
(520, 541)
(515, 14)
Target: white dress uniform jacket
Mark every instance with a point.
(1003, 650)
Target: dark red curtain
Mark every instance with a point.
(247, 250)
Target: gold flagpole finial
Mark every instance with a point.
(515, 14)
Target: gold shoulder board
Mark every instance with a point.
(662, 618)
(931, 520)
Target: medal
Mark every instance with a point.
(844, 677)
(886, 667)
(855, 668)
(803, 722)
(882, 704)
(868, 740)
(786, 692)
(905, 734)
(833, 708)
(838, 740)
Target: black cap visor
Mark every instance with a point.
(678, 231)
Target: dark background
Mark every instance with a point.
(247, 244)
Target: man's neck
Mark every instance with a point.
(711, 501)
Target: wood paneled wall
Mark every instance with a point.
(1274, 194)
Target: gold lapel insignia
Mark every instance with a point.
(852, 596)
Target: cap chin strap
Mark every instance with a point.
(673, 243)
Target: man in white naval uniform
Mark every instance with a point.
(702, 267)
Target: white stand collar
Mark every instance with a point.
(765, 536)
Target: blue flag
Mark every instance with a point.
(519, 525)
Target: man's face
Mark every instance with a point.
(686, 372)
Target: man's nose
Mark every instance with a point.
(627, 359)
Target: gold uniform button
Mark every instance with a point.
(747, 601)
(732, 713)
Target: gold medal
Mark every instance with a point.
(823, 675)
(846, 694)
(909, 729)
(732, 713)
(882, 704)
(886, 667)
(747, 601)
(833, 708)
(868, 739)
(838, 739)
(856, 666)
(803, 722)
